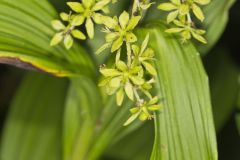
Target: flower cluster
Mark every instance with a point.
(88, 12)
(181, 16)
(128, 78)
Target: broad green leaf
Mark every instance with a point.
(184, 128)
(80, 118)
(36, 63)
(224, 77)
(33, 127)
(26, 31)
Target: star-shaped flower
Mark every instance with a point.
(176, 8)
(143, 110)
(187, 31)
(65, 33)
(144, 56)
(179, 8)
(122, 79)
(88, 11)
(119, 30)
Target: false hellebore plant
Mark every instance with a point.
(134, 77)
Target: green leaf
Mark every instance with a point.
(184, 129)
(25, 35)
(34, 121)
(37, 63)
(80, 118)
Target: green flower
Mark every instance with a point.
(194, 6)
(119, 30)
(176, 8)
(122, 79)
(140, 6)
(143, 56)
(65, 33)
(187, 31)
(87, 11)
(143, 111)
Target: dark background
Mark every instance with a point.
(228, 136)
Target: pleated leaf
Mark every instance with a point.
(80, 121)
(25, 35)
(184, 128)
(33, 128)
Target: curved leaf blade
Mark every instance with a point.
(80, 118)
(33, 127)
(184, 129)
(26, 31)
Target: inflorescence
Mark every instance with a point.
(132, 77)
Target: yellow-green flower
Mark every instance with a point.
(140, 6)
(88, 11)
(176, 8)
(143, 110)
(182, 8)
(187, 31)
(65, 33)
(120, 79)
(119, 30)
(194, 6)
(143, 56)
